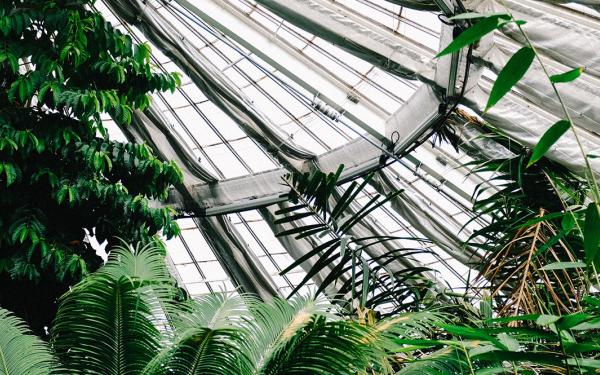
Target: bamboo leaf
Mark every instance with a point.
(591, 233)
(298, 230)
(569, 76)
(550, 137)
(475, 32)
(365, 283)
(562, 266)
(514, 70)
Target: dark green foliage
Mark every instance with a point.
(61, 67)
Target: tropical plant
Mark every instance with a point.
(318, 210)
(538, 344)
(62, 66)
(514, 70)
(130, 318)
(541, 246)
(533, 250)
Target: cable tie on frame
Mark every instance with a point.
(391, 147)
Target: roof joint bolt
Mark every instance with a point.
(353, 96)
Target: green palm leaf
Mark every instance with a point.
(107, 324)
(20, 351)
(209, 338)
(274, 323)
(202, 350)
(319, 211)
(321, 347)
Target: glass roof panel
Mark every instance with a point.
(222, 147)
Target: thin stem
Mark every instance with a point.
(589, 171)
(562, 348)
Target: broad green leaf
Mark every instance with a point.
(563, 266)
(474, 33)
(572, 320)
(591, 233)
(481, 349)
(548, 358)
(514, 70)
(586, 326)
(10, 172)
(545, 320)
(584, 362)
(468, 332)
(550, 137)
(569, 76)
(568, 221)
(508, 341)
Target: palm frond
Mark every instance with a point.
(20, 351)
(529, 229)
(274, 323)
(210, 337)
(107, 324)
(317, 210)
(323, 347)
(214, 311)
(449, 360)
(202, 350)
(143, 262)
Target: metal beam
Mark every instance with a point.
(294, 64)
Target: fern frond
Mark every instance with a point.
(20, 351)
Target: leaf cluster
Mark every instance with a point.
(525, 344)
(531, 235)
(130, 318)
(61, 67)
(316, 209)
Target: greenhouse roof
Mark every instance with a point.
(273, 86)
